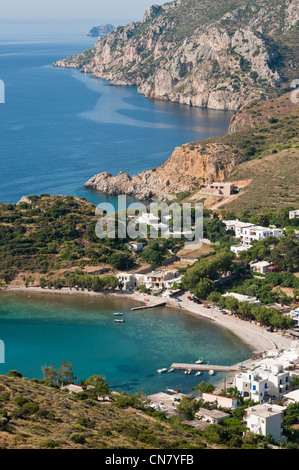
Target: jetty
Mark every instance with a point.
(142, 307)
(205, 367)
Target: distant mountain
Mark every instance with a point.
(101, 31)
(219, 54)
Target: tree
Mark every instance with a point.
(204, 387)
(50, 374)
(120, 261)
(65, 373)
(203, 288)
(231, 304)
(214, 297)
(97, 386)
(188, 407)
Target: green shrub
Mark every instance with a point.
(20, 401)
(77, 437)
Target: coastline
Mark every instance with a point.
(255, 336)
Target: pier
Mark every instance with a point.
(205, 367)
(160, 304)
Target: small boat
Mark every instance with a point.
(199, 361)
(160, 371)
(188, 371)
(119, 321)
(171, 390)
(171, 369)
(118, 314)
(198, 373)
(211, 372)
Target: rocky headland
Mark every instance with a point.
(209, 53)
(101, 31)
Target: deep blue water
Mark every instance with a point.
(47, 329)
(60, 127)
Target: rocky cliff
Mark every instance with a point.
(218, 54)
(189, 167)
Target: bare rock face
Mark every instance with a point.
(208, 54)
(187, 169)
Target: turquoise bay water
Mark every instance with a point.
(60, 127)
(45, 329)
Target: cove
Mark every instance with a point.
(46, 329)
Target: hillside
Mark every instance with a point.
(42, 417)
(261, 148)
(52, 237)
(220, 54)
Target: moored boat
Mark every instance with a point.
(160, 371)
(188, 371)
(211, 372)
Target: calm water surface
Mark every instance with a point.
(44, 330)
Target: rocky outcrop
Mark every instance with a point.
(101, 31)
(208, 53)
(189, 167)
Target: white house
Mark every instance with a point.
(221, 401)
(236, 226)
(130, 280)
(263, 382)
(136, 246)
(148, 219)
(291, 397)
(265, 419)
(294, 314)
(258, 233)
(294, 214)
(238, 248)
(242, 298)
(155, 280)
(261, 267)
(158, 280)
(211, 416)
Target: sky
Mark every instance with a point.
(100, 11)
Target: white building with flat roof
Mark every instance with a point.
(258, 233)
(221, 401)
(291, 397)
(242, 298)
(264, 382)
(294, 214)
(211, 416)
(261, 267)
(236, 226)
(237, 249)
(265, 420)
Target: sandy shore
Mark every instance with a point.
(257, 337)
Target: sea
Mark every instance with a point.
(58, 128)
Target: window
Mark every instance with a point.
(250, 377)
(254, 387)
